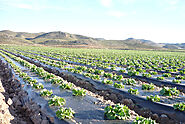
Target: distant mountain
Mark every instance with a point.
(58, 38)
(99, 39)
(9, 37)
(20, 34)
(62, 38)
(130, 43)
(61, 35)
(147, 42)
(173, 45)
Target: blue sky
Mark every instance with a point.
(156, 20)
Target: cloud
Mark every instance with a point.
(116, 13)
(172, 5)
(127, 1)
(171, 8)
(106, 3)
(172, 2)
(1, 8)
(23, 4)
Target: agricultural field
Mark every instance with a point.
(99, 85)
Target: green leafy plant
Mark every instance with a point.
(179, 106)
(179, 77)
(146, 75)
(152, 98)
(133, 73)
(176, 81)
(27, 78)
(56, 80)
(46, 92)
(182, 71)
(66, 85)
(78, 71)
(31, 81)
(166, 75)
(142, 120)
(48, 76)
(153, 72)
(113, 68)
(70, 69)
(90, 70)
(79, 92)
(166, 91)
(160, 78)
(22, 74)
(87, 74)
(108, 75)
(95, 77)
(129, 81)
(170, 70)
(133, 91)
(65, 113)
(118, 77)
(83, 68)
(99, 72)
(117, 85)
(148, 86)
(105, 81)
(122, 71)
(56, 101)
(140, 70)
(118, 111)
(38, 86)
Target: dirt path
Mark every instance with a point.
(15, 105)
(5, 116)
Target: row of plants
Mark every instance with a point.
(128, 62)
(98, 64)
(155, 98)
(122, 112)
(118, 78)
(132, 71)
(147, 60)
(101, 72)
(63, 112)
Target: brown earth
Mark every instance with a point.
(5, 116)
(15, 106)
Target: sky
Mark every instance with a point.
(162, 21)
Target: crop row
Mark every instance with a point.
(131, 71)
(63, 112)
(70, 60)
(116, 80)
(168, 63)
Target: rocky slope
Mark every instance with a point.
(15, 105)
(5, 116)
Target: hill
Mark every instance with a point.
(129, 44)
(10, 37)
(174, 45)
(64, 39)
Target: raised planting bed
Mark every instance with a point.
(180, 87)
(21, 106)
(139, 101)
(90, 112)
